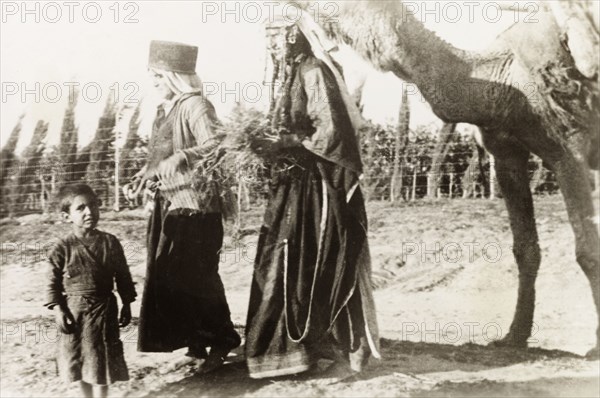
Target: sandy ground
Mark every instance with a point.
(446, 286)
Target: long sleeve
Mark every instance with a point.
(334, 137)
(198, 121)
(125, 286)
(54, 276)
(194, 136)
(318, 109)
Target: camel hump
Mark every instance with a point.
(535, 45)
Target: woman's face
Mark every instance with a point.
(281, 39)
(160, 85)
(275, 41)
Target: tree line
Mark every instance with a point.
(400, 164)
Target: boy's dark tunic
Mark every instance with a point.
(82, 275)
(183, 303)
(311, 290)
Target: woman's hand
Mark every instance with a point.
(265, 145)
(290, 141)
(125, 317)
(64, 319)
(151, 185)
(139, 176)
(137, 183)
(168, 167)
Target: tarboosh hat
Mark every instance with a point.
(172, 56)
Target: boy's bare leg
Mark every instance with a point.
(86, 389)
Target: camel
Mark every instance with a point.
(525, 94)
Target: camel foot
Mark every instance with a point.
(593, 354)
(509, 341)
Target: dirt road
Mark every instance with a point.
(446, 286)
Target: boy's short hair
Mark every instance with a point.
(68, 192)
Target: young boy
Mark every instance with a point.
(82, 269)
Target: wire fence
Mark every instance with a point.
(30, 186)
(397, 167)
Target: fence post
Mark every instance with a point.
(492, 177)
(42, 199)
(116, 204)
(53, 183)
(451, 187)
(239, 204)
(401, 183)
(414, 184)
(440, 152)
(400, 146)
(430, 186)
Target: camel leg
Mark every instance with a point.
(512, 175)
(575, 187)
(571, 174)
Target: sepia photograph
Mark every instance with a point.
(308, 198)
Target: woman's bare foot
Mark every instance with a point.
(86, 389)
(215, 360)
(180, 363)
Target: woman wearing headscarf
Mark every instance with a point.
(311, 293)
(183, 303)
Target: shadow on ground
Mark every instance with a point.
(404, 370)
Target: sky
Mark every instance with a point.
(48, 47)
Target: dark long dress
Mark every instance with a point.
(183, 304)
(310, 293)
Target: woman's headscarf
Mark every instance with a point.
(321, 47)
(180, 83)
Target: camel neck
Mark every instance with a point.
(394, 40)
(435, 66)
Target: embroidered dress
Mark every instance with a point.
(311, 295)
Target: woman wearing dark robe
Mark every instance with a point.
(311, 296)
(183, 303)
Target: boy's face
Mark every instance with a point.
(83, 213)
